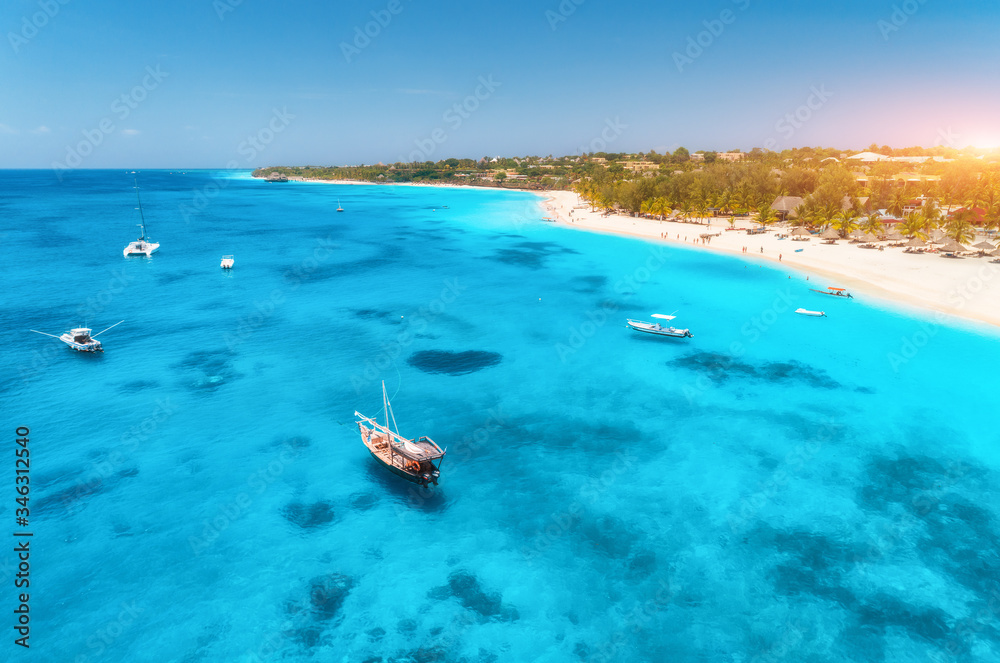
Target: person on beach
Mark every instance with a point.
(762, 249)
(779, 257)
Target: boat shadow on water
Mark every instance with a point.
(421, 498)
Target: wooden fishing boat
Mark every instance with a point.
(834, 292)
(418, 461)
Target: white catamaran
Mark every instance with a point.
(142, 246)
(417, 460)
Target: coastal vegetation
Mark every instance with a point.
(918, 189)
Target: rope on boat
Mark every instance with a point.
(399, 383)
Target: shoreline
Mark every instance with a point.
(967, 289)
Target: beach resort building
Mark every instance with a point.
(730, 156)
(785, 206)
(641, 166)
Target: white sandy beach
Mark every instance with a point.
(967, 288)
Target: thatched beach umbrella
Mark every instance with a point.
(801, 232)
(952, 246)
(894, 237)
(985, 246)
(868, 237)
(830, 233)
(916, 242)
(857, 234)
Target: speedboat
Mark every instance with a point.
(79, 339)
(657, 328)
(834, 292)
(816, 314)
(227, 262)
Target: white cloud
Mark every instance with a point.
(4, 129)
(42, 129)
(130, 132)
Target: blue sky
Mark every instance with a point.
(211, 83)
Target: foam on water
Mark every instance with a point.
(775, 487)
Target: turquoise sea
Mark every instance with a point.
(776, 488)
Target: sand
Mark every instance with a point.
(966, 288)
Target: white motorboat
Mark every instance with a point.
(805, 311)
(657, 328)
(227, 262)
(80, 338)
(141, 246)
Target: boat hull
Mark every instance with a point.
(412, 478)
(832, 294)
(670, 333)
(148, 250)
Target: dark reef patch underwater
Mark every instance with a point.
(453, 363)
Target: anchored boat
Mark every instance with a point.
(141, 246)
(657, 328)
(80, 339)
(834, 292)
(418, 461)
(227, 262)
(816, 314)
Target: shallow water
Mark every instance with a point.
(777, 487)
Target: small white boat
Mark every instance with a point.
(805, 311)
(142, 246)
(227, 262)
(339, 208)
(657, 328)
(80, 339)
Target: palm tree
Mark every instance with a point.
(766, 215)
(900, 198)
(873, 224)
(646, 209)
(844, 221)
(660, 207)
(913, 226)
(702, 208)
(685, 210)
(723, 202)
(961, 230)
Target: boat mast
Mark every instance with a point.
(142, 219)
